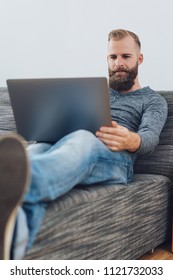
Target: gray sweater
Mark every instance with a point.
(143, 111)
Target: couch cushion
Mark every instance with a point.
(7, 122)
(161, 160)
(166, 137)
(107, 221)
(158, 162)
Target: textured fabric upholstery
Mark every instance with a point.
(7, 122)
(161, 160)
(109, 222)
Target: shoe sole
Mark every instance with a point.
(14, 173)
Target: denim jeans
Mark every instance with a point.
(79, 157)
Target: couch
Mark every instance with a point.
(109, 221)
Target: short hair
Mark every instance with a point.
(118, 34)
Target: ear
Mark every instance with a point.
(140, 58)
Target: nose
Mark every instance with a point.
(119, 62)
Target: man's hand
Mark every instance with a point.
(119, 138)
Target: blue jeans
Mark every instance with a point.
(79, 157)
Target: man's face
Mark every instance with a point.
(123, 60)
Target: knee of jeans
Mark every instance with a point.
(86, 136)
(86, 140)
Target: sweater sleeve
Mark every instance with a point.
(153, 119)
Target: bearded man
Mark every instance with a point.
(138, 116)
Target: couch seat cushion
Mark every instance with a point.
(107, 221)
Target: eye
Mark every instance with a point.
(126, 56)
(113, 57)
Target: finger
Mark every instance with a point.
(114, 124)
(107, 128)
(114, 139)
(108, 136)
(114, 131)
(110, 142)
(113, 148)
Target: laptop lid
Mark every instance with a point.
(45, 110)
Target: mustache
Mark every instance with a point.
(119, 69)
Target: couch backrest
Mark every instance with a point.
(161, 160)
(7, 122)
(158, 162)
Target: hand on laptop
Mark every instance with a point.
(119, 138)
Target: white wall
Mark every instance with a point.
(68, 38)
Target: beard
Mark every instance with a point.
(122, 82)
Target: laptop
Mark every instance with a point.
(45, 110)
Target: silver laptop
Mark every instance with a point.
(45, 110)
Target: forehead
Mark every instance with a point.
(125, 45)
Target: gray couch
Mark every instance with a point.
(109, 222)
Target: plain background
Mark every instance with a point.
(68, 38)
